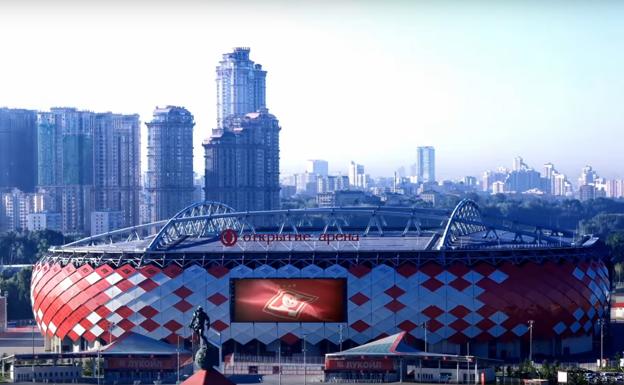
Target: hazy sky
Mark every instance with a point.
(364, 81)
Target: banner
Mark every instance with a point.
(357, 364)
(288, 300)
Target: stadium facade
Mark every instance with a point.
(451, 278)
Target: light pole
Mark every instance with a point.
(279, 361)
(531, 322)
(98, 362)
(601, 340)
(32, 323)
(340, 336)
(305, 366)
(424, 325)
(178, 354)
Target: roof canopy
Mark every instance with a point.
(137, 344)
(398, 345)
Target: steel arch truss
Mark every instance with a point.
(200, 220)
(464, 220)
(207, 220)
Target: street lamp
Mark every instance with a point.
(531, 322)
(601, 321)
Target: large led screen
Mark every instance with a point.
(288, 300)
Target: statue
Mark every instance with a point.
(198, 323)
(207, 355)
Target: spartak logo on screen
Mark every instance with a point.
(288, 303)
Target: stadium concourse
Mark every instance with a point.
(329, 278)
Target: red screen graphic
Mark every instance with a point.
(288, 300)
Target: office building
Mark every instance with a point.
(117, 157)
(318, 167)
(18, 149)
(169, 161)
(242, 154)
(425, 164)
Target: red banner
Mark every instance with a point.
(370, 364)
(288, 300)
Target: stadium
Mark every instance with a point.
(329, 278)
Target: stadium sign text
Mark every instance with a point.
(229, 237)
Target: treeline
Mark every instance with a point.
(27, 247)
(597, 216)
(17, 286)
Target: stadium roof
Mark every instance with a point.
(210, 232)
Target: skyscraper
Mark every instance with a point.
(242, 154)
(170, 161)
(240, 85)
(65, 163)
(89, 161)
(18, 149)
(116, 178)
(425, 164)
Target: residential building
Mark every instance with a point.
(490, 177)
(242, 154)
(357, 178)
(44, 221)
(169, 161)
(331, 183)
(615, 188)
(587, 192)
(65, 163)
(242, 163)
(241, 86)
(498, 187)
(117, 161)
(106, 220)
(16, 205)
(18, 149)
(588, 175)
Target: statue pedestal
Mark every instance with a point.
(207, 377)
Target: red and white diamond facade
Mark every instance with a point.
(482, 295)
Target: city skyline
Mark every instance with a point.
(477, 83)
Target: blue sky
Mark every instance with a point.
(365, 81)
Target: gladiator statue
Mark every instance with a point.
(198, 324)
